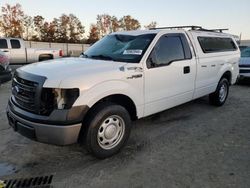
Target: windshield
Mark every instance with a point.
(245, 52)
(124, 48)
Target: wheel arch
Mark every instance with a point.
(228, 75)
(119, 99)
(45, 56)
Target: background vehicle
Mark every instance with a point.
(15, 49)
(242, 47)
(245, 63)
(123, 77)
(5, 71)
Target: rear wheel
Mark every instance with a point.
(108, 130)
(219, 97)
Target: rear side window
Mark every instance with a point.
(3, 44)
(15, 44)
(216, 44)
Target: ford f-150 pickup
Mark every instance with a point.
(125, 76)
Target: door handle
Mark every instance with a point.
(186, 70)
(5, 51)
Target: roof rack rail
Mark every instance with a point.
(216, 30)
(192, 27)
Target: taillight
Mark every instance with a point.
(61, 53)
(3, 59)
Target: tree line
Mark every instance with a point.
(67, 28)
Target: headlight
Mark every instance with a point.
(65, 98)
(52, 99)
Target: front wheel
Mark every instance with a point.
(108, 130)
(219, 97)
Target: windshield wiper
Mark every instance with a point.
(104, 57)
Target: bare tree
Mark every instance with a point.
(11, 20)
(70, 29)
(76, 29)
(115, 25)
(103, 24)
(107, 24)
(93, 34)
(38, 25)
(129, 23)
(28, 25)
(151, 25)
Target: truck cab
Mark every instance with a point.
(18, 54)
(123, 77)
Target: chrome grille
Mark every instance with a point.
(24, 93)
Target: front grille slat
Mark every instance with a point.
(25, 99)
(24, 93)
(30, 108)
(25, 87)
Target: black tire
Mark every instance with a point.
(217, 98)
(100, 117)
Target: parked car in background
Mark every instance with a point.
(245, 63)
(242, 47)
(5, 71)
(18, 54)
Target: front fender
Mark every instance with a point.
(96, 93)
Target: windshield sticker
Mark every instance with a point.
(132, 52)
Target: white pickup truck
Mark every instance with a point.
(18, 54)
(123, 77)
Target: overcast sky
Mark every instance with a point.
(232, 14)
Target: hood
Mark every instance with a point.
(72, 72)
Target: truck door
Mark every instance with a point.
(4, 47)
(170, 74)
(17, 52)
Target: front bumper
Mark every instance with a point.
(37, 128)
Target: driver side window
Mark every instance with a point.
(166, 50)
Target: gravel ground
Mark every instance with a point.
(193, 145)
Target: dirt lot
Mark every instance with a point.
(194, 145)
